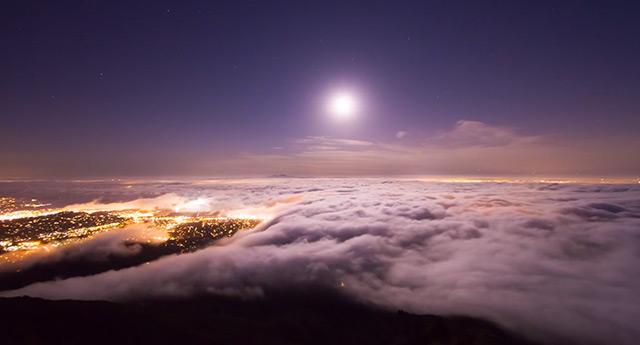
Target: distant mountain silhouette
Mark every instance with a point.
(281, 176)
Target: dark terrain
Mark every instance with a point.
(68, 266)
(291, 318)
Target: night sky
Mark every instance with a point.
(208, 88)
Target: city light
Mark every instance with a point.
(26, 228)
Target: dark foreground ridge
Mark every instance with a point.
(319, 319)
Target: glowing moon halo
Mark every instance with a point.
(343, 106)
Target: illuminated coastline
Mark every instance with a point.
(25, 230)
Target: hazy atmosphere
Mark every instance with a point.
(199, 88)
(320, 172)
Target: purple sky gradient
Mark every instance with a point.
(156, 88)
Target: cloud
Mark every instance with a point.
(325, 143)
(166, 201)
(326, 156)
(469, 148)
(553, 261)
(475, 133)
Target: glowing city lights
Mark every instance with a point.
(189, 226)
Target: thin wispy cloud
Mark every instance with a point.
(469, 148)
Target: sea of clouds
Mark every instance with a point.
(555, 261)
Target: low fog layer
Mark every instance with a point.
(553, 260)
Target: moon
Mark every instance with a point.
(342, 106)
